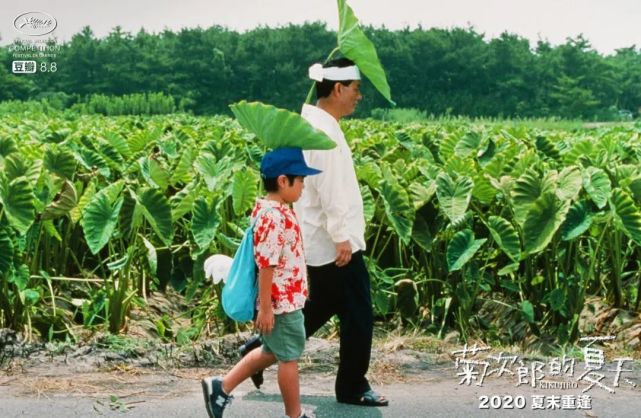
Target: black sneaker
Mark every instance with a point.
(252, 343)
(215, 397)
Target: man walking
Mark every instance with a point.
(330, 213)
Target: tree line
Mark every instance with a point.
(437, 71)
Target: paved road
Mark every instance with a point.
(427, 394)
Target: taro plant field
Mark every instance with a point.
(494, 230)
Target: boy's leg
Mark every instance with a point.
(251, 344)
(254, 361)
(322, 304)
(289, 387)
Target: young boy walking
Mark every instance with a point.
(282, 285)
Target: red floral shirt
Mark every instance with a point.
(278, 243)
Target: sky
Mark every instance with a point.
(608, 25)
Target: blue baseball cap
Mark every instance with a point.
(283, 161)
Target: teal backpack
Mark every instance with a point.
(241, 288)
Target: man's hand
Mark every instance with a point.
(343, 253)
(265, 320)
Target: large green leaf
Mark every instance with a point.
(244, 191)
(111, 155)
(461, 249)
(65, 201)
(60, 161)
(14, 166)
(87, 195)
(627, 213)
(7, 146)
(635, 188)
(483, 190)
(369, 210)
(155, 175)
(279, 127)
(93, 161)
(119, 143)
(18, 165)
(204, 223)
(183, 201)
(398, 210)
(526, 190)
(130, 216)
(468, 144)
(421, 233)
(505, 236)
(542, 221)
(152, 256)
(421, 194)
(578, 220)
(214, 172)
(157, 211)
(6, 252)
(183, 171)
(453, 195)
(547, 147)
(17, 201)
(569, 183)
(99, 219)
(597, 183)
(355, 45)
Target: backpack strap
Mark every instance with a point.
(259, 214)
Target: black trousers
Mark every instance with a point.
(345, 292)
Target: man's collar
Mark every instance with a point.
(319, 114)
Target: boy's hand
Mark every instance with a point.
(265, 320)
(343, 253)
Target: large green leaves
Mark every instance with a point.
(204, 223)
(578, 220)
(279, 127)
(527, 189)
(542, 221)
(183, 201)
(505, 236)
(65, 201)
(154, 173)
(569, 183)
(17, 199)
(183, 171)
(421, 194)
(468, 144)
(60, 161)
(453, 195)
(214, 172)
(398, 210)
(353, 43)
(244, 190)
(157, 211)
(99, 219)
(627, 213)
(6, 252)
(597, 183)
(87, 195)
(461, 249)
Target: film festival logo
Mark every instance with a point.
(34, 54)
(35, 23)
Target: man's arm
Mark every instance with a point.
(332, 199)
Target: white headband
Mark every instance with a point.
(318, 73)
